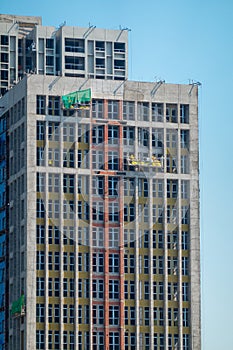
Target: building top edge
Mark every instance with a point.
(91, 28)
(37, 21)
(108, 82)
(21, 19)
(111, 89)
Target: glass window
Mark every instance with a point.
(146, 290)
(74, 63)
(53, 182)
(98, 317)
(40, 285)
(68, 132)
(98, 262)
(113, 160)
(146, 316)
(4, 40)
(40, 210)
(128, 110)
(68, 158)
(171, 138)
(97, 159)
(98, 340)
(97, 134)
(143, 137)
(184, 114)
(113, 315)
(185, 266)
(184, 189)
(171, 113)
(185, 291)
(40, 234)
(114, 263)
(40, 130)
(185, 240)
(40, 182)
(54, 105)
(113, 237)
(40, 339)
(40, 313)
(171, 214)
(185, 314)
(114, 289)
(100, 45)
(157, 112)
(74, 45)
(40, 154)
(185, 341)
(143, 111)
(113, 109)
(128, 135)
(113, 212)
(97, 211)
(98, 237)
(119, 47)
(184, 164)
(146, 264)
(185, 214)
(68, 183)
(40, 104)
(98, 288)
(113, 135)
(184, 139)
(172, 188)
(112, 186)
(49, 61)
(98, 109)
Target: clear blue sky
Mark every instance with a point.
(177, 41)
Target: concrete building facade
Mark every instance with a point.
(103, 231)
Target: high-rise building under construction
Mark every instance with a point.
(99, 203)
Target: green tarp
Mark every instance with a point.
(17, 306)
(74, 99)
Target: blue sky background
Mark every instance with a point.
(176, 41)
